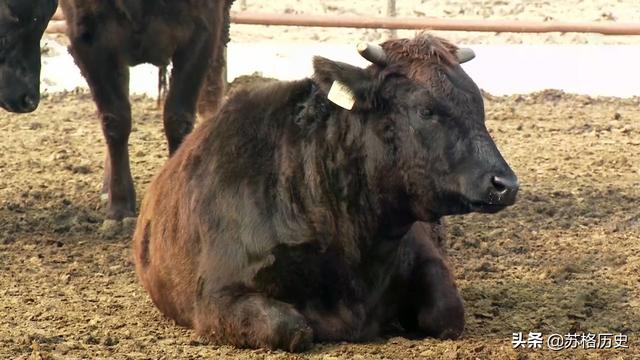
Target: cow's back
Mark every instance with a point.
(143, 31)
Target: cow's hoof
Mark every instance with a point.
(292, 333)
(302, 339)
(444, 321)
(129, 225)
(110, 228)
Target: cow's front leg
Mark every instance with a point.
(344, 322)
(108, 78)
(431, 305)
(190, 64)
(249, 319)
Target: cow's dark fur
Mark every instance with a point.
(109, 36)
(286, 219)
(22, 23)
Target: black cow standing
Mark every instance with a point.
(22, 23)
(109, 36)
(287, 219)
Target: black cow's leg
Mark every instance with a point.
(213, 89)
(106, 179)
(108, 78)
(189, 67)
(432, 305)
(249, 319)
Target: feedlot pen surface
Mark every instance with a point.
(565, 258)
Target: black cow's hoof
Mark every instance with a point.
(444, 321)
(112, 229)
(291, 333)
(302, 340)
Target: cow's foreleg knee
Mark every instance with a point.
(441, 312)
(252, 320)
(432, 305)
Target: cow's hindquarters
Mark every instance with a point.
(165, 270)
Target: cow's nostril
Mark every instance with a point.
(29, 103)
(498, 184)
(504, 184)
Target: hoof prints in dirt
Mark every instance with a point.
(564, 259)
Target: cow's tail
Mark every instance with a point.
(162, 84)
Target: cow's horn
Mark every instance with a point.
(373, 53)
(464, 55)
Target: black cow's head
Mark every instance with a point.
(426, 141)
(22, 23)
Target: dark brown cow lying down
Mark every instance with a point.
(287, 219)
(109, 36)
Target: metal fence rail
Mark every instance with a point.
(58, 26)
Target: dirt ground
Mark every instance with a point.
(565, 258)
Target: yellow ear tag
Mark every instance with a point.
(341, 95)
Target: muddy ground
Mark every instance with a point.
(565, 259)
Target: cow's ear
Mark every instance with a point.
(346, 85)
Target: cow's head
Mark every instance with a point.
(22, 23)
(426, 142)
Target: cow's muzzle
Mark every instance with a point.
(22, 103)
(501, 190)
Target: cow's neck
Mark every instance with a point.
(356, 211)
(325, 192)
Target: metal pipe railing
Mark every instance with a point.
(57, 26)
